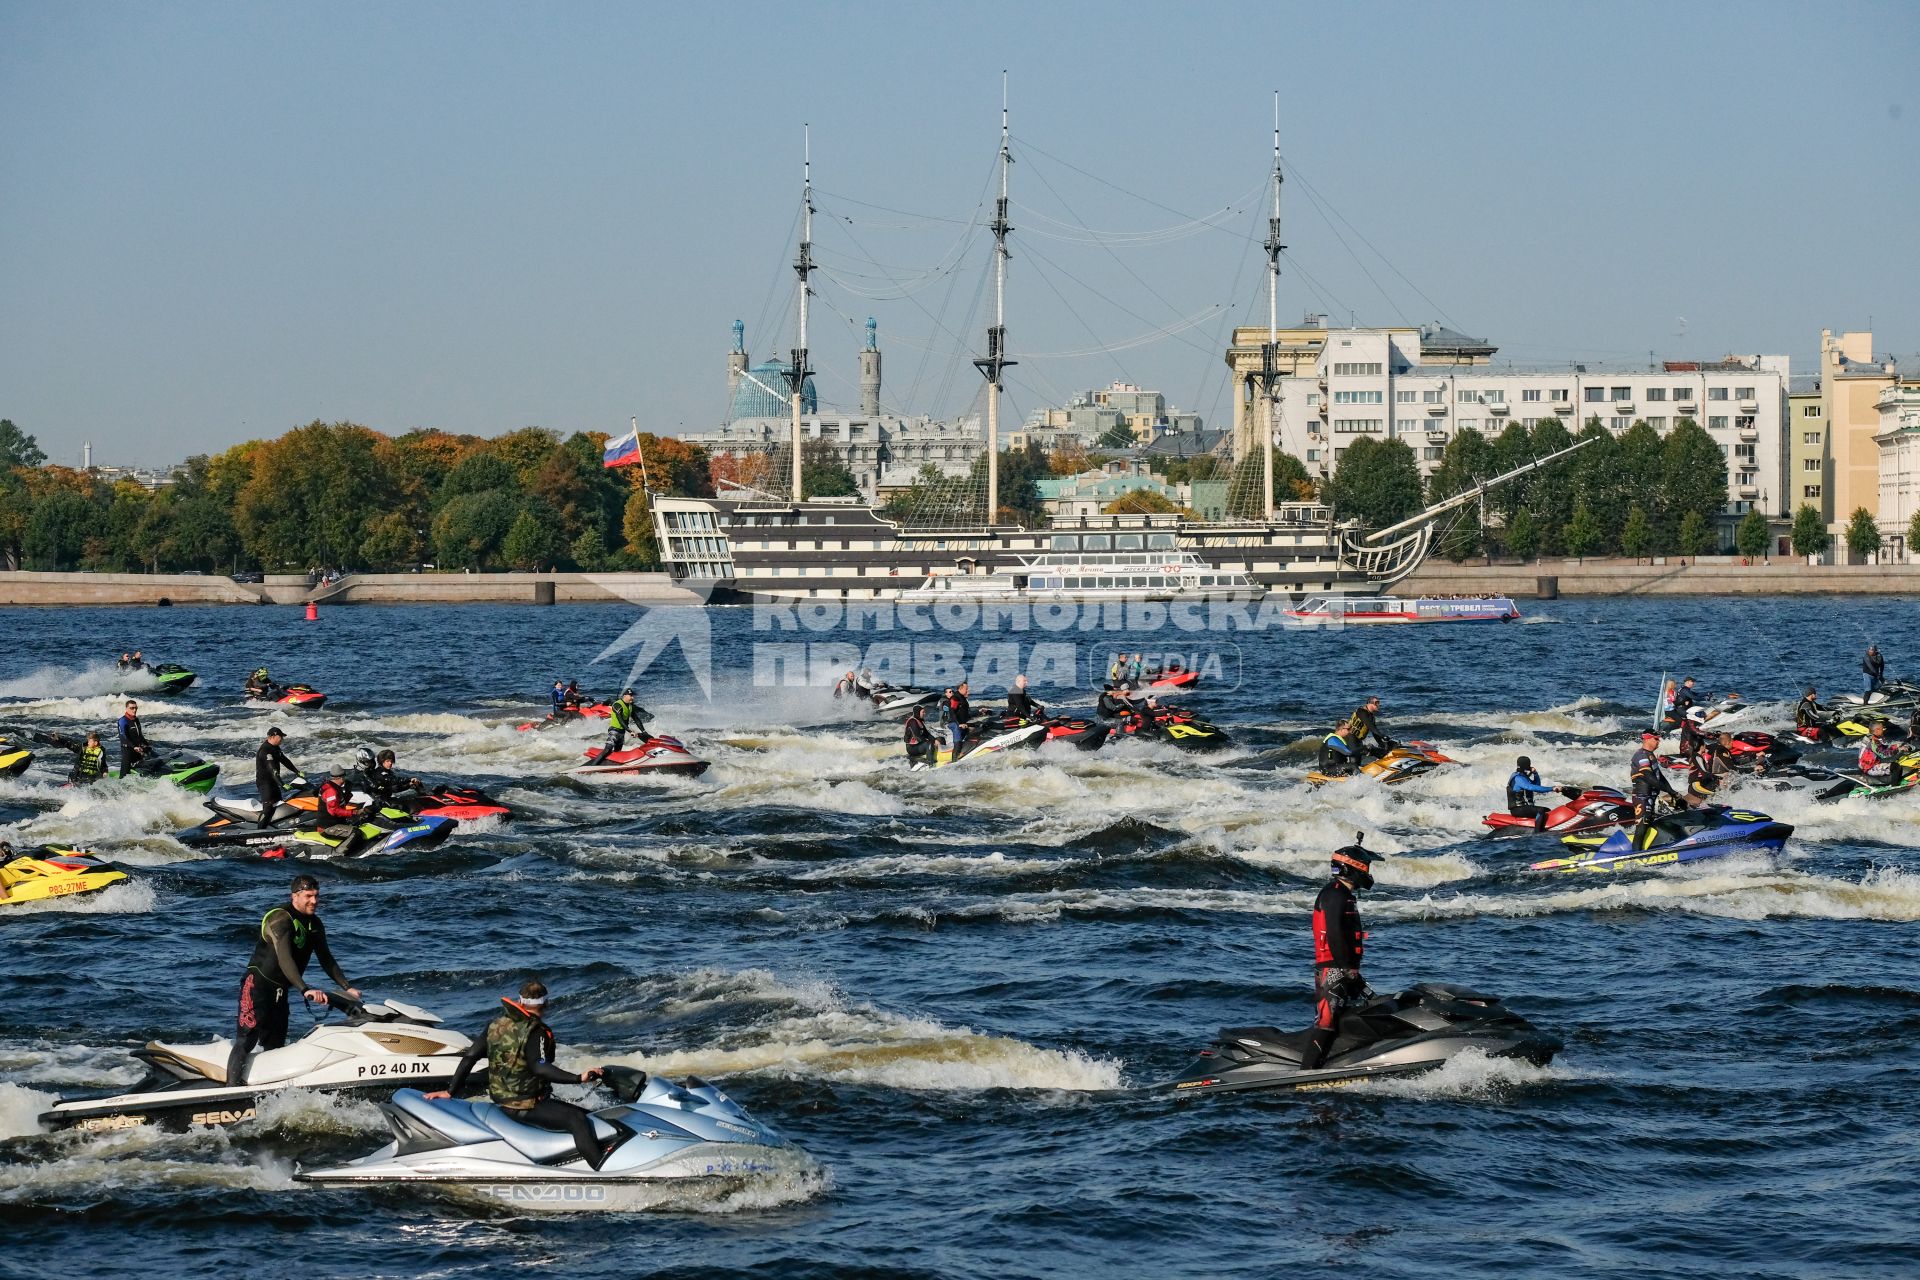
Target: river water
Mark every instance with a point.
(955, 990)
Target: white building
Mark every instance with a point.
(1899, 443)
(1373, 382)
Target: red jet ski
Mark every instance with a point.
(1176, 679)
(1172, 724)
(1594, 809)
(445, 800)
(1084, 734)
(596, 710)
(292, 695)
(1752, 752)
(660, 755)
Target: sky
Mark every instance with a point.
(222, 221)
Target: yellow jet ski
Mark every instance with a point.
(1406, 760)
(52, 873)
(14, 758)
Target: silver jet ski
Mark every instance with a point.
(1416, 1030)
(1028, 733)
(893, 699)
(658, 1134)
(381, 1044)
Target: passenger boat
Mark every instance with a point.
(1354, 610)
(1148, 566)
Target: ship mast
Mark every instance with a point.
(803, 267)
(996, 361)
(1270, 353)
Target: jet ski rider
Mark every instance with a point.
(336, 803)
(384, 784)
(1338, 755)
(1712, 762)
(1649, 782)
(1338, 946)
(519, 1047)
(623, 717)
(259, 685)
(1364, 724)
(1808, 718)
(289, 936)
(268, 761)
(1524, 783)
(1880, 757)
(917, 736)
(1020, 703)
(1113, 702)
(955, 711)
(134, 747)
(558, 697)
(90, 761)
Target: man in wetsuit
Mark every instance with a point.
(623, 717)
(1339, 943)
(519, 1046)
(1712, 762)
(1523, 785)
(1113, 703)
(917, 736)
(955, 711)
(289, 935)
(259, 685)
(345, 818)
(1649, 782)
(1873, 670)
(1338, 755)
(133, 739)
(1020, 703)
(383, 783)
(1363, 724)
(1808, 718)
(268, 761)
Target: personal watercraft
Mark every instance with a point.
(1592, 809)
(1858, 787)
(1416, 1030)
(658, 1133)
(893, 699)
(190, 773)
(1172, 724)
(1752, 752)
(1709, 831)
(437, 800)
(1084, 734)
(377, 836)
(290, 695)
(972, 749)
(171, 676)
(659, 755)
(14, 758)
(1402, 761)
(295, 827)
(54, 873)
(381, 1044)
(568, 715)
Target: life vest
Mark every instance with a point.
(1518, 799)
(91, 762)
(335, 801)
(511, 1080)
(916, 732)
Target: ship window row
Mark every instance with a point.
(685, 548)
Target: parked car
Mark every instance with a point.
(249, 577)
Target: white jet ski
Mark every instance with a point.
(382, 1044)
(977, 749)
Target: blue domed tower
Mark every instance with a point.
(761, 391)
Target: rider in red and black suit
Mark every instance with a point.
(1338, 945)
(337, 810)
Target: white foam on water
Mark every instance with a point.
(66, 684)
(988, 864)
(1476, 1076)
(20, 1109)
(1740, 887)
(808, 1030)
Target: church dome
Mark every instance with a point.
(762, 393)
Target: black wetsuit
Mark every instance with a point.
(1021, 706)
(919, 739)
(133, 744)
(267, 763)
(1874, 668)
(1339, 944)
(1649, 781)
(286, 941)
(1113, 706)
(1362, 725)
(526, 1092)
(1711, 765)
(1808, 719)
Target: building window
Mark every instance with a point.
(1658, 424)
(1716, 393)
(1530, 422)
(1313, 398)
(1810, 464)
(1468, 424)
(1718, 422)
(1358, 369)
(1596, 395)
(1810, 491)
(1683, 393)
(1810, 437)
(1623, 393)
(1621, 423)
(1405, 397)
(1436, 396)
(1493, 397)
(1743, 393)
(1656, 393)
(1349, 426)
(1313, 455)
(1530, 397)
(1810, 411)
(1357, 397)
(1560, 396)
(1743, 451)
(1433, 453)
(1468, 397)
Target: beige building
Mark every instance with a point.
(1898, 441)
(1807, 449)
(1851, 384)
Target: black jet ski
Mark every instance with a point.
(1171, 724)
(1416, 1030)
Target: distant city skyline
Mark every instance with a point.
(222, 221)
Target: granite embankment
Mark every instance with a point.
(1712, 576)
(359, 588)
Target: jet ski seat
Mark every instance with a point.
(453, 1117)
(543, 1146)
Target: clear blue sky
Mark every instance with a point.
(224, 220)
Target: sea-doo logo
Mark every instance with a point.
(516, 1193)
(222, 1117)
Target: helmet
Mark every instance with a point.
(1352, 862)
(627, 692)
(1809, 691)
(363, 758)
(260, 673)
(1524, 763)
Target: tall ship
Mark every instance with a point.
(770, 540)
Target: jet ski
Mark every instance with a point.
(658, 1133)
(381, 836)
(1416, 1030)
(54, 873)
(236, 824)
(172, 677)
(972, 750)
(1752, 752)
(14, 758)
(568, 715)
(1592, 809)
(1172, 724)
(891, 700)
(438, 800)
(189, 773)
(1853, 786)
(291, 695)
(1160, 682)
(1402, 761)
(660, 755)
(380, 1044)
(1687, 836)
(1084, 734)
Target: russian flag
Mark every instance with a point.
(622, 452)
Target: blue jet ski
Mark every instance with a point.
(1707, 832)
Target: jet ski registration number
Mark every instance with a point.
(418, 1067)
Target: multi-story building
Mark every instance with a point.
(1851, 384)
(1807, 447)
(1898, 441)
(1092, 414)
(1337, 385)
(1087, 494)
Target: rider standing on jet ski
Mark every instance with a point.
(289, 936)
(268, 761)
(133, 739)
(1873, 670)
(623, 717)
(1649, 782)
(518, 1047)
(955, 711)
(1525, 783)
(1364, 724)
(1339, 943)
(1020, 703)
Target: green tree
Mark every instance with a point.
(1693, 476)
(57, 531)
(1636, 535)
(1641, 468)
(470, 529)
(589, 551)
(1463, 537)
(392, 542)
(17, 448)
(1583, 535)
(477, 473)
(1913, 535)
(1467, 460)
(1597, 482)
(636, 525)
(310, 495)
(1376, 482)
(1810, 536)
(1291, 481)
(1695, 535)
(534, 540)
(1117, 436)
(525, 452)
(1523, 535)
(1143, 502)
(1020, 469)
(824, 472)
(1753, 536)
(1863, 533)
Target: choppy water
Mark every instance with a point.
(952, 988)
